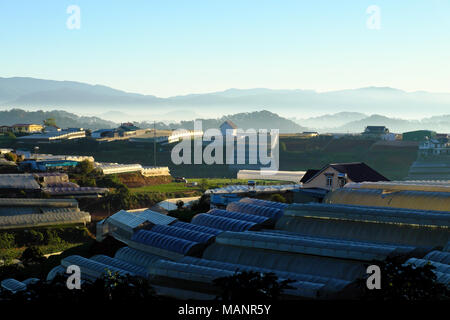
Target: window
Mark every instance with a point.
(329, 181)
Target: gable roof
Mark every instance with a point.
(309, 174)
(230, 123)
(356, 171)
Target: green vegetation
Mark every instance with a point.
(202, 185)
(48, 240)
(50, 122)
(254, 286)
(186, 214)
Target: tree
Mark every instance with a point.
(180, 204)
(204, 185)
(250, 285)
(85, 167)
(50, 122)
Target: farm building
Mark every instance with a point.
(336, 175)
(53, 136)
(18, 213)
(408, 199)
(293, 176)
(17, 184)
(418, 135)
(114, 168)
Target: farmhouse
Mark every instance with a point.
(336, 175)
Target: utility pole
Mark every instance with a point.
(154, 143)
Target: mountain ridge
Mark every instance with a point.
(50, 94)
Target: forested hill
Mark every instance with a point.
(63, 119)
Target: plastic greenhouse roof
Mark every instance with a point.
(18, 181)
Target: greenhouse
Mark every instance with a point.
(270, 212)
(166, 242)
(240, 216)
(421, 200)
(223, 223)
(183, 233)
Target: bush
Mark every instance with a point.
(52, 237)
(36, 238)
(278, 198)
(11, 157)
(85, 167)
(7, 240)
(32, 255)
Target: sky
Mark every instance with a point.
(168, 48)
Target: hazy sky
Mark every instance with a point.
(177, 47)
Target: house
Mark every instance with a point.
(375, 130)
(26, 128)
(418, 135)
(5, 129)
(228, 128)
(336, 175)
(434, 147)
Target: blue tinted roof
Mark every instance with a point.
(163, 241)
(222, 223)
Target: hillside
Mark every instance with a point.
(246, 120)
(63, 119)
